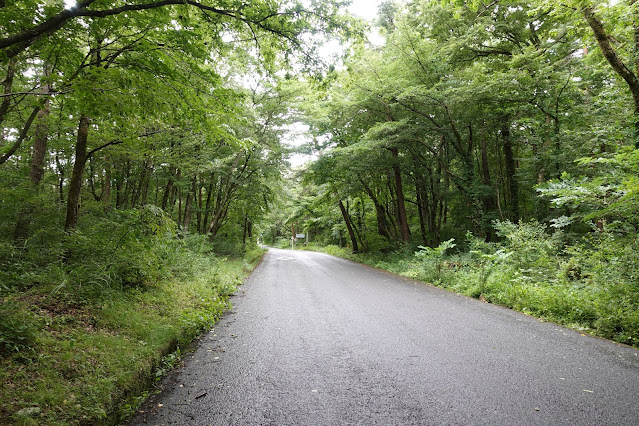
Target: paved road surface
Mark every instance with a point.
(316, 340)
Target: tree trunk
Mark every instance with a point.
(75, 184)
(187, 207)
(137, 189)
(179, 221)
(199, 206)
(399, 190)
(106, 189)
(40, 138)
(244, 230)
(145, 183)
(420, 211)
(174, 193)
(21, 137)
(488, 198)
(168, 189)
(7, 86)
(382, 223)
(128, 185)
(207, 206)
(349, 226)
(607, 49)
(60, 169)
(511, 171)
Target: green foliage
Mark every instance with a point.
(434, 257)
(19, 328)
(87, 355)
(609, 191)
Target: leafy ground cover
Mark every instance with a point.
(591, 284)
(83, 338)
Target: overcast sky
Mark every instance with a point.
(367, 9)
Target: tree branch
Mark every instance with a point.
(15, 44)
(609, 52)
(22, 136)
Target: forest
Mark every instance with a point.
(490, 147)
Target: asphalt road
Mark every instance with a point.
(317, 340)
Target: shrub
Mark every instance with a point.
(18, 328)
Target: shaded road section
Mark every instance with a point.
(317, 340)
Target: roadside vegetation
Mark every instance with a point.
(84, 337)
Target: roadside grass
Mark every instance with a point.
(591, 285)
(81, 355)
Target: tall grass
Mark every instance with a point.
(87, 319)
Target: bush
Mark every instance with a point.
(18, 328)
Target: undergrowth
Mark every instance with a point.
(88, 319)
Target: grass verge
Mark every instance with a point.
(90, 361)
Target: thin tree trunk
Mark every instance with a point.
(207, 207)
(179, 208)
(174, 193)
(145, 183)
(167, 189)
(60, 179)
(106, 190)
(41, 133)
(244, 230)
(399, 190)
(488, 199)
(119, 194)
(7, 86)
(199, 206)
(137, 189)
(420, 211)
(187, 207)
(607, 49)
(75, 184)
(21, 137)
(349, 226)
(382, 223)
(511, 170)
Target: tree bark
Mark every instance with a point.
(399, 190)
(187, 207)
(382, 223)
(420, 211)
(106, 189)
(7, 86)
(605, 44)
(21, 137)
(168, 189)
(41, 134)
(511, 171)
(488, 198)
(349, 226)
(75, 184)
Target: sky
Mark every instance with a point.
(366, 9)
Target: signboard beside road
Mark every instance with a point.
(300, 236)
